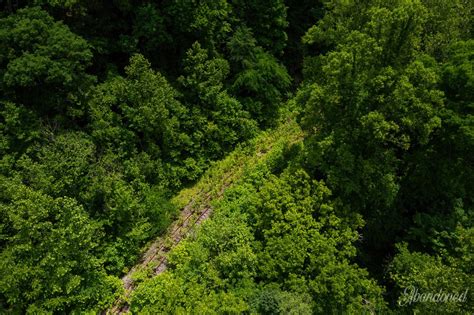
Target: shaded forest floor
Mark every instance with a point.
(195, 203)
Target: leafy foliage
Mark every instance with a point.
(217, 120)
(139, 114)
(109, 108)
(43, 63)
(272, 237)
(388, 132)
(261, 81)
(267, 19)
(48, 261)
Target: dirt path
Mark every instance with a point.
(195, 203)
(156, 256)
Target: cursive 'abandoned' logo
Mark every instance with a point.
(412, 295)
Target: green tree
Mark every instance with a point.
(114, 191)
(58, 167)
(267, 20)
(444, 163)
(259, 81)
(270, 299)
(447, 22)
(19, 128)
(366, 117)
(48, 261)
(206, 21)
(43, 64)
(217, 121)
(418, 273)
(304, 245)
(139, 114)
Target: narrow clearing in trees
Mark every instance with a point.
(196, 202)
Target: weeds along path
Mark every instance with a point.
(195, 202)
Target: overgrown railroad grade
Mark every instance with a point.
(195, 203)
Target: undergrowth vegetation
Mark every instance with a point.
(331, 141)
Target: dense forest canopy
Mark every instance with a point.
(109, 108)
